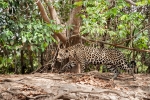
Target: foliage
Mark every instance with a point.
(64, 8)
(22, 29)
(117, 22)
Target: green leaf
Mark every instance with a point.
(79, 3)
(32, 48)
(143, 2)
(35, 27)
(112, 33)
(121, 26)
(123, 17)
(45, 44)
(29, 26)
(21, 26)
(24, 39)
(11, 42)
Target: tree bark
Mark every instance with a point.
(52, 11)
(42, 11)
(31, 61)
(148, 70)
(74, 22)
(23, 65)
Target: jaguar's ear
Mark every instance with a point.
(66, 51)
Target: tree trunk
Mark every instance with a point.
(31, 61)
(148, 70)
(23, 65)
(74, 21)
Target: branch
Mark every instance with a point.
(112, 4)
(119, 44)
(52, 11)
(135, 35)
(115, 45)
(42, 11)
(131, 2)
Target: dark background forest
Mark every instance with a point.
(32, 30)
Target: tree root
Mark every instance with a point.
(25, 96)
(65, 96)
(6, 80)
(68, 95)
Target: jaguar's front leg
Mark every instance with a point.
(82, 66)
(131, 72)
(68, 66)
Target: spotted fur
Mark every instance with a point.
(85, 55)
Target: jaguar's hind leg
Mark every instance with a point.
(130, 69)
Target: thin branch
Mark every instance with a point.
(119, 44)
(52, 11)
(36, 1)
(115, 45)
(134, 36)
(130, 2)
(25, 8)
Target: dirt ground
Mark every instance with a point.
(86, 86)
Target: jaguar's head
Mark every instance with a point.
(62, 54)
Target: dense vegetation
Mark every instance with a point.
(27, 30)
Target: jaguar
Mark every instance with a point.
(85, 55)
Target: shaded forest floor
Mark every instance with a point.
(86, 86)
